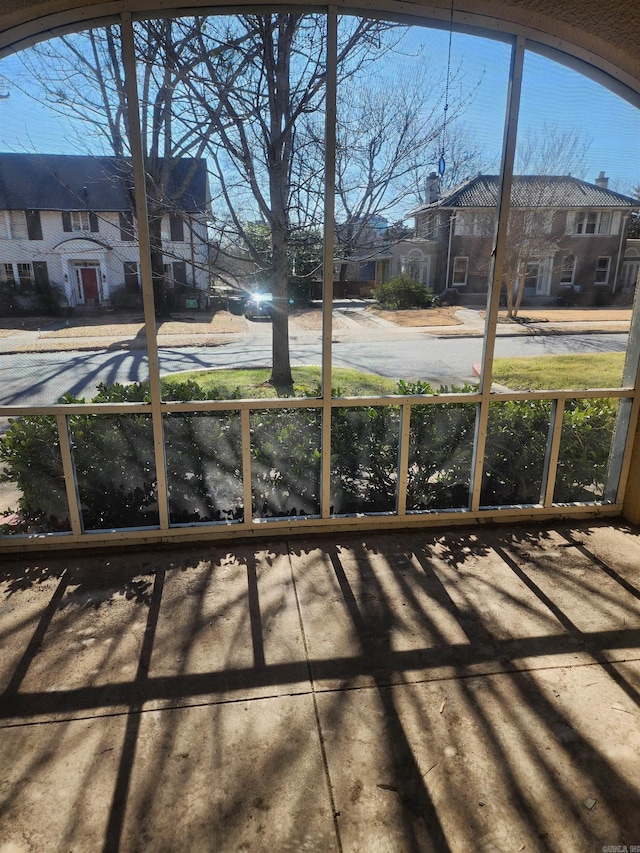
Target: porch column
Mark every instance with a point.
(631, 504)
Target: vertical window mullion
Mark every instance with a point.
(553, 451)
(327, 270)
(403, 459)
(247, 487)
(137, 156)
(493, 296)
(628, 413)
(70, 481)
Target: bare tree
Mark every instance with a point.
(388, 137)
(532, 232)
(81, 78)
(242, 90)
(259, 141)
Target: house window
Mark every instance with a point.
(604, 222)
(127, 226)
(464, 223)
(602, 270)
(593, 222)
(18, 225)
(25, 276)
(80, 220)
(475, 223)
(539, 222)
(7, 273)
(568, 269)
(172, 229)
(428, 226)
(460, 266)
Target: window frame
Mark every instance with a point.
(598, 269)
(454, 270)
(588, 223)
(25, 282)
(563, 278)
(77, 218)
(482, 398)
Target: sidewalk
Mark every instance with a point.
(472, 691)
(225, 328)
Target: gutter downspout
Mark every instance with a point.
(452, 221)
(623, 231)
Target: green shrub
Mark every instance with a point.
(117, 484)
(401, 291)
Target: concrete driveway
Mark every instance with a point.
(470, 691)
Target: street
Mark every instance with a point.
(42, 378)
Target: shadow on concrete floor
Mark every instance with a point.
(475, 690)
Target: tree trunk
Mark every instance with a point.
(509, 287)
(157, 267)
(278, 161)
(519, 295)
(281, 377)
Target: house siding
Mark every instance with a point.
(65, 251)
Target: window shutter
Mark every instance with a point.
(131, 276)
(176, 226)
(93, 222)
(127, 233)
(34, 227)
(41, 274)
(571, 222)
(66, 221)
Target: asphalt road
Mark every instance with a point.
(42, 378)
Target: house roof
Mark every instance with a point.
(79, 182)
(530, 191)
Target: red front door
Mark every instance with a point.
(89, 277)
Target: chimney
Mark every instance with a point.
(432, 188)
(602, 181)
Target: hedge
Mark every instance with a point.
(117, 485)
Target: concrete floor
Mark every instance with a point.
(471, 691)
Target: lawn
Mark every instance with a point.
(253, 383)
(553, 372)
(547, 372)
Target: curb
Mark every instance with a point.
(540, 333)
(116, 345)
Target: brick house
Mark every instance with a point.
(564, 235)
(66, 224)
(567, 236)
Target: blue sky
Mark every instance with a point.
(552, 94)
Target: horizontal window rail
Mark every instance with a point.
(252, 404)
(398, 489)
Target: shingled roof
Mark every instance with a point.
(530, 191)
(79, 182)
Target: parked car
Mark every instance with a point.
(259, 306)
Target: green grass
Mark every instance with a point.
(553, 372)
(252, 383)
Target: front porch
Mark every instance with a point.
(473, 690)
